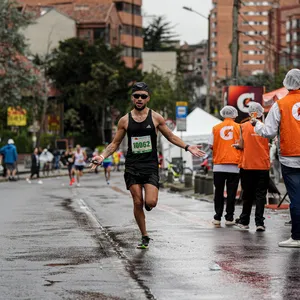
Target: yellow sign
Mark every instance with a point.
(16, 116)
(53, 123)
(181, 103)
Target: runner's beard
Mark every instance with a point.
(140, 108)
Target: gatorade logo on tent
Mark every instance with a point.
(296, 111)
(226, 133)
(244, 100)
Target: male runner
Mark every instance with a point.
(79, 162)
(107, 164)
(141, 165)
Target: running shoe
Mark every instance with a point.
(260, 228)
(241, 226)
(288, 223)
(230, 223)
(147, 207)
(107, 182)
(144, 243)
(28, 180)
(290, 243)
(73, 180)
(216, 222)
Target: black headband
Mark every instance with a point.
(140, 86)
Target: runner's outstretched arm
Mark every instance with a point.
(172, 138)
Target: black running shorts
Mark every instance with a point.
(131, 179)
(79, 168)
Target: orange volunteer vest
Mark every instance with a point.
(289, 108)
(256, 154)
(226, 134)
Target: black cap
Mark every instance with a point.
(140, 86)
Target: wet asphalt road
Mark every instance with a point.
(59, 242)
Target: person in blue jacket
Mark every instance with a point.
(10, 159)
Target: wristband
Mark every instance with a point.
(186, 148)
(102, 156)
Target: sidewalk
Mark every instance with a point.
(25, 173)
(189, 192)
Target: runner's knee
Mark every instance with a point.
(151, 202)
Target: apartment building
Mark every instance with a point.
(115, 21)
(253, 38)
(284, 37)
(194, 59)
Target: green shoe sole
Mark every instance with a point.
(142, 247)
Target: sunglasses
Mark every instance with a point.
(138, 96)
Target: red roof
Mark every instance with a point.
(87, 12)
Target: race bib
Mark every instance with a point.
(141, 144)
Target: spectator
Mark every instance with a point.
(56, 160)
(10, 159)
(284, 118)
(226, 160)
(255, 167)
(46, 157)
(35, 166)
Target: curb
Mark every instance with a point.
(42, 176)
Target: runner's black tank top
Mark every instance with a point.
(141, 156)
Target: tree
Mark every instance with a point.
(166, 90)
(18, 76)
(92, 79)
(268, 80)
(158, 35)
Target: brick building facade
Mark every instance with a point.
(253, 38)
(117, 22)
(284, 37)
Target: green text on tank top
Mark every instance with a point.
(142, 145)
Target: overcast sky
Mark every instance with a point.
(191, 27)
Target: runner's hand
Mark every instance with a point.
(196, 151)
(96, 161)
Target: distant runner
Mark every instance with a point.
(79, 163)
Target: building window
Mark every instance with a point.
(127, 29)
(137, 52)
(296, 24)
(99, 33)
(138, 31)
(129, 8)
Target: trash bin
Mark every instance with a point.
(188, 180)
(197, 182)
(202, 184)
(209, 185)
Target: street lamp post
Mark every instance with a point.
(207, 106)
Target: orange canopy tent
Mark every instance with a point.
(270, 98)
